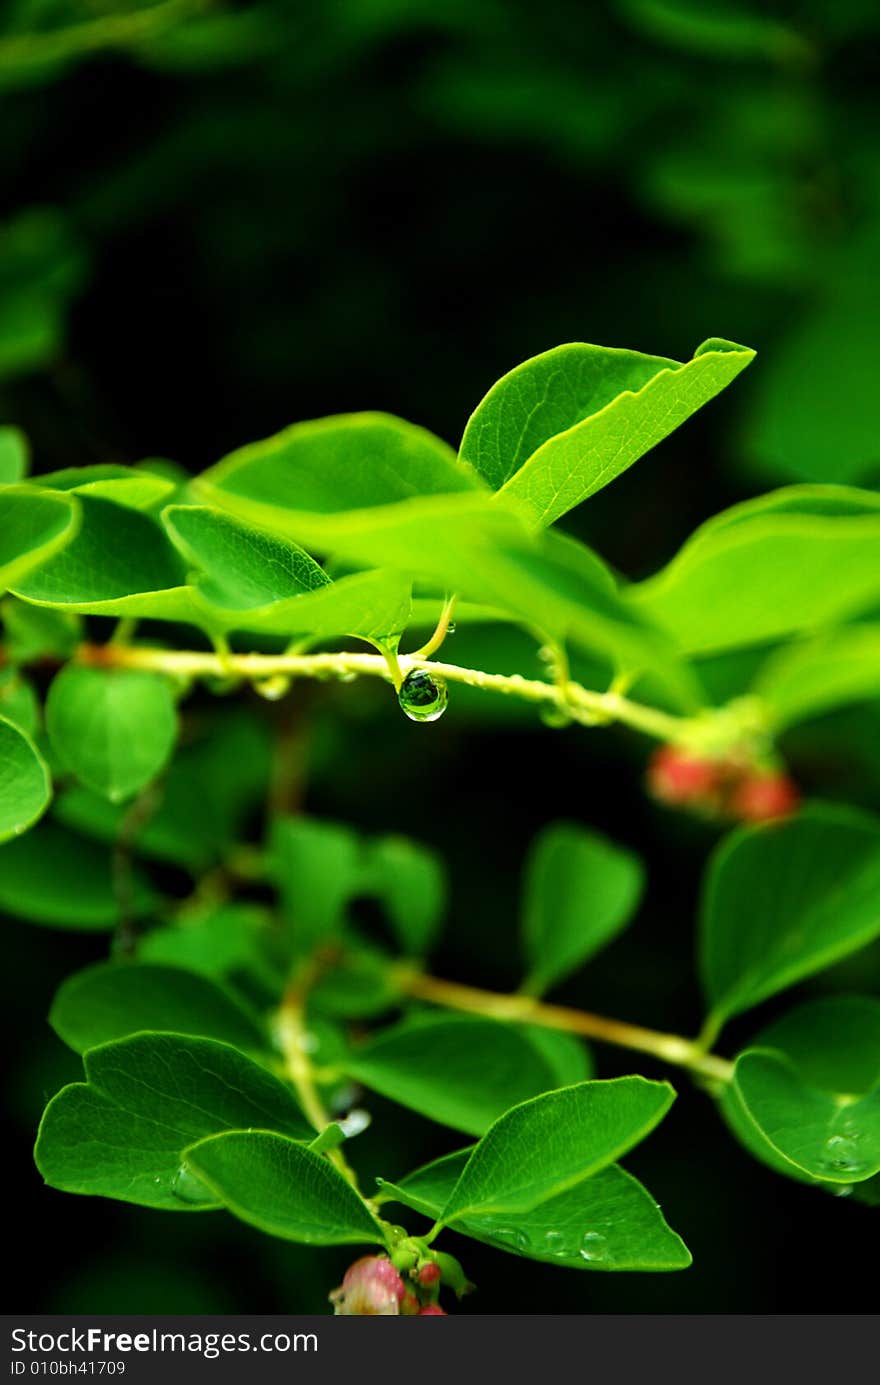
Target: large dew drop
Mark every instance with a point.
(422, 696)
(188, 1188)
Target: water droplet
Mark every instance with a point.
(347, 676)
(273, 689)
(356, 1121)
(843, 1154)
(189, 1188)
(593, 1246)
(512, 1236)
(555, 1244)
(553, 715)
(422, 696)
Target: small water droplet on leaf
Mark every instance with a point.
(593, 1246)
(556, 1245)
(188, 1188)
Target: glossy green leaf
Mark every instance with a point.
(33, 527)
(790, 561)
(51, 876)
(428, 1062)
(122, 1133)
(568, 1056)
(282, 1188)
(238, 566)
(546, 1146)
(315, 471)
(14, 456)
(607, 1222)
(218, 941)
(809, 1089)
(786, 899)
(111, 1000)
(37, 632)
(806, 679)
(559, 427)
(25, 786)
(120, 563)
(113, 728)
(580, 891)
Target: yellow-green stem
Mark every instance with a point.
(669, 1048)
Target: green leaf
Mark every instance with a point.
(122, 1133)
(580, 891)
(409, 880)
(14, 456)
(25, 786)
(835, 668)
(239, 566)
(120, 563)
(559, 427)
(111, 1000)
(33, 527)
(113, 728)
(332, 466)
(54, 877)
(427, 1062)
(41, 267)
(18, 701)
(607, 1222)
(219, 941)
(212, 788)
(280, 1187)
(548, 1145)
(315, 867)
(790, 561)
(785, 900)
(569, 1057)
(36, 632)
(125, 485)
(809, 1090)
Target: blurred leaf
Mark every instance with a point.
(561, 426)
(124, 485)
(315, 867)
(580, 891)
(280, 1187)
(53, 877)
(728, 31)
(607, 1222)
(784, 900)
(113, 728)
(409, 880)
(41, 268)
(14, 456)
(37, 632)
(809, 1091)
(111, 1000)
(216, 942)
(32, 527)
(789, 561)
(429, 1063)
(18, 702)
(546, 1146)
(25, 790)
(123, 1132)
(804, 680)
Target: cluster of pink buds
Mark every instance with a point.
(372, 1286)
(720, 788)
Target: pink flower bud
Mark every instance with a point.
(433, 1310)
(760, 797)
(429, 1274)
(680, 778)
(371, 1287)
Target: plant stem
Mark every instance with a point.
(582, 704)
(441, 631)
(670, 1048)
(292, 1035)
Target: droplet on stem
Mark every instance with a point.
(422, 696)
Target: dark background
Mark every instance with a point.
(270, 212)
